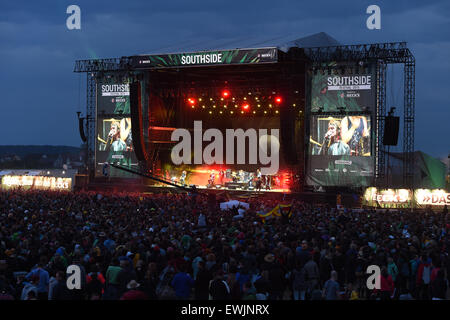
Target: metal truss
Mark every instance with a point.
(91, 108)
(380, 160)
(101, 65)
(408, 121)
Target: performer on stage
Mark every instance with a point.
(241, 176)
(212, 177)
(183, 177)
(250, 179)
(221, 176)
(167, 175)
(258, 180)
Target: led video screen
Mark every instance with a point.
(114, 142)
(340, 152)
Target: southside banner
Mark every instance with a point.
(206, 58)
(351, 91)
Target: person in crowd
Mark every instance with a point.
(424, 277)
(59, 290)
(134, 292)
(331, 287)
(219, 289)
(40, 273)
(312, 274)
(202, 281)
(182, 283)
(299, 286)
(386, 284)
(439, 286)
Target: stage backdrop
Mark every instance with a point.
(341, 136)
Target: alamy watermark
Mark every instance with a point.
(74, 20)
(263, 147)
(73, 277)
(373, 281)
(374, 20)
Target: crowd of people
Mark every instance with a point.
(183, 246)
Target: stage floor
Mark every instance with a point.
(206, 188)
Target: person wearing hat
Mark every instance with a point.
(269, 258)
(133, 292)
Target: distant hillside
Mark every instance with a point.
(22, 151)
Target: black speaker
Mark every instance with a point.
(136, 120)
(288, 145)
(391, 127)
(81, 128)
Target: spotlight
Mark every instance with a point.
(225, 93)
(278, 100)
(191, 101)
(246, 107)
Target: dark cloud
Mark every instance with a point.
(40, 92)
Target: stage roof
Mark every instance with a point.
(283, 43)
(223, 52)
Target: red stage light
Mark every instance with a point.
(191, 101)
(225, 93)
(278, 100)
(246, 107)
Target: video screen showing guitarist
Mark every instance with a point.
(118, 143)
(355, 133)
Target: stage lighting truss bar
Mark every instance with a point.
(393, 52)
(96, 65)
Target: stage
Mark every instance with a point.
(313, 116)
